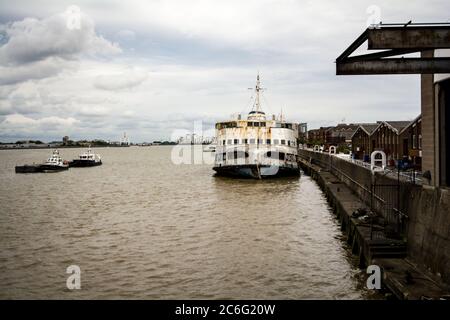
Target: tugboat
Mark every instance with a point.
(256, 147)
(54, 163)
(87, 159)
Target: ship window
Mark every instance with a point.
(252, 141)
(276, 141)
(236, 155)
(225, 125)
(236, 141)
(268, 141)
(240, 154)
(283, 141)
(272, 155)
(229, 141)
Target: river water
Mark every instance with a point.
(142, 227)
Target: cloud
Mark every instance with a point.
(33, 49)
(31, 40)
(118, 81)
(19, 125)
(33, 70)
(93, 111)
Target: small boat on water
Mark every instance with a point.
(209, 148)
(87, 159)
(53, 163)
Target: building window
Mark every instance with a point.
(267, 141)
(289, 143)
(420, 141)
(252, 141)
(283, 141)
(260, 141)
(245, 141)
(223, 142)
(236, 141)
(256, 124)
(276, 141)
(414, 141)
(229, 141)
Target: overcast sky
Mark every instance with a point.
(151, 67)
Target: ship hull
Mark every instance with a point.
(84, 163)
(50, 168)
(28, 168)
(256, 172)
(35, 168)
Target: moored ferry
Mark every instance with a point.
(256, 147)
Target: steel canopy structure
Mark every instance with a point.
(396, 40)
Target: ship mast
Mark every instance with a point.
(257, 113)
(257, 89)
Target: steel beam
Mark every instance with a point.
(378, 55)
(394, 66)
(419, 38)
(355, 45)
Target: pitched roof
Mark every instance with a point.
(368, 128)
(416, 120)
(398, 125)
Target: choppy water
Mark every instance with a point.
(142, 227)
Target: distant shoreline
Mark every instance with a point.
(84, 147)
(60, 147)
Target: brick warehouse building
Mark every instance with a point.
(398, 139)
(362, 145)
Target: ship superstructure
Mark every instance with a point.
(256, 147)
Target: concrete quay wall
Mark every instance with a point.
(426, 226)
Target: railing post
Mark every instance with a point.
(372, 191)
(398, 201)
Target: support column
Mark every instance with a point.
(428, 122)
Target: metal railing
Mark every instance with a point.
(380, 194)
